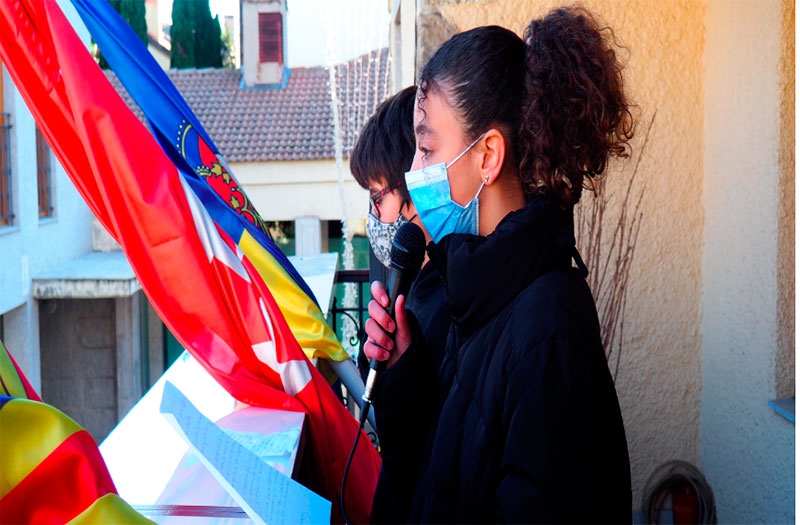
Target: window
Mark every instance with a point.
(6, 208)
(44, 176)
(270, 38)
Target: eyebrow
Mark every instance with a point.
(422, 130)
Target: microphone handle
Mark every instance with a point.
(375, 366)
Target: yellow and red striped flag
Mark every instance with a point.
(51, 470)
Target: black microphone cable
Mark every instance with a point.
(362, 420)
(408, 252)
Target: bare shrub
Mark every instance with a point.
(606, 233)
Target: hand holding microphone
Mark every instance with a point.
(386, 328)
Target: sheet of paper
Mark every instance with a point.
(275, 444)
(265, 494)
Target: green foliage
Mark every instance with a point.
(228, 49)
(215, 43)
(133, 12)
(195, 36)
(181, 34)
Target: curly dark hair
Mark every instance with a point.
(557, 97)
(576, 114)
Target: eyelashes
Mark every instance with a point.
(425, 153)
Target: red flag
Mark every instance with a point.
(202, 286)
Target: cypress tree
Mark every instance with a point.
(214, 40)
(196, 37)
(182, 34)
(133, 11)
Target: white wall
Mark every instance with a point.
(284, 191)
(36, 244)
(322, 32)
(746, 450)
(32, 245)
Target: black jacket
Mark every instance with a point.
(515, 419)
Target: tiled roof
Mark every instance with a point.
(292, 123)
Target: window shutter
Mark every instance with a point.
(6, 214)
(43, 176)
(270, 38)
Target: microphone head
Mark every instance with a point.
(408, 248)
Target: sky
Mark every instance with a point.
(320, 32)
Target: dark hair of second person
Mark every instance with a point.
(383, 152)
(385, 146)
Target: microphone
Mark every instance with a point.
(408, 251)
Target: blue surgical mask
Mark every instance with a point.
(429, 188)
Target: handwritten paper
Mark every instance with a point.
(269, 446)
(265, 494)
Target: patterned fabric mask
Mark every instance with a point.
(381, 235)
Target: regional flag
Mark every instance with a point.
(51, 470)
(187, 143)
(13, 382)
(199, 281)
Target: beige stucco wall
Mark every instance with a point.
(692, 297)
(660, 370)
(284, 191)
(747, 452)
(785, 363)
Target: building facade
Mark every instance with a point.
(71, 310)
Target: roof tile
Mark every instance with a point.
(292, 123)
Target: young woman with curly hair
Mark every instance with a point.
(515, 418)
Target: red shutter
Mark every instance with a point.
(43, 175)
(5, 174)
(270, 38)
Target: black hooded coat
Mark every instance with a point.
(514, 419)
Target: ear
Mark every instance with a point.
(493, 155)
